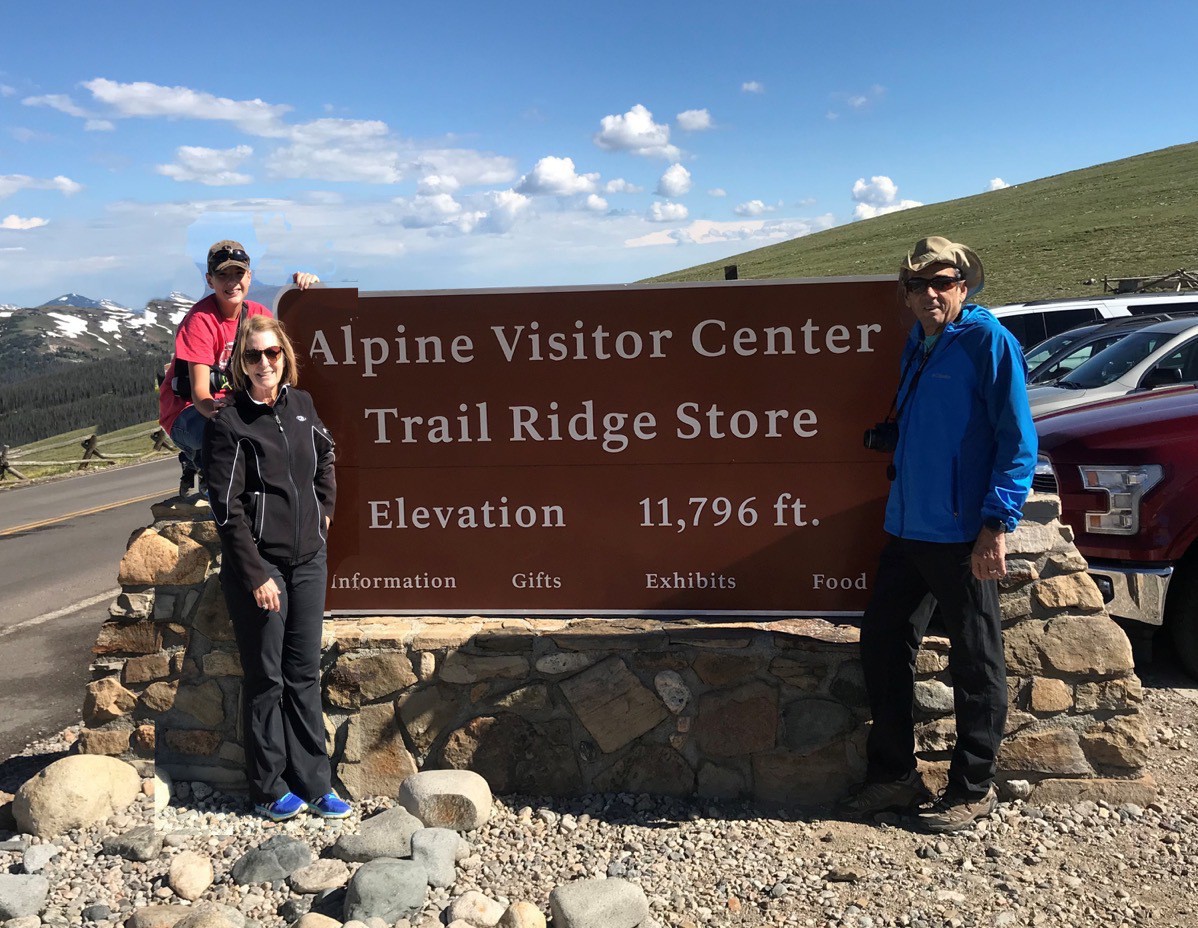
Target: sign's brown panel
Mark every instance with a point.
(614, 450)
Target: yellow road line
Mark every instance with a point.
(29, 526)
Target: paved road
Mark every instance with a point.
(60, 544)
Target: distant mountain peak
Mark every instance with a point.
(78, 301)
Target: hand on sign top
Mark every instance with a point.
(304, 280)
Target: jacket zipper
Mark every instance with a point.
(294, 488)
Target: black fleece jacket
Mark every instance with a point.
(270, 482)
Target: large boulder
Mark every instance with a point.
(22, 895)
(75, 792)
(386, 888)
(455, 799)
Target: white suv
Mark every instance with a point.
(1033, 322)
(1159, 355)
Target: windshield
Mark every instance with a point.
(1053, 370)
(1038, 354)
(1109, 365)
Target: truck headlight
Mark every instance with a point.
(1124, 488)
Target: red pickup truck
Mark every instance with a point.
(1127, 474)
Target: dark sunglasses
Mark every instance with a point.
(226, 254)
(253, 355)
(937, 283)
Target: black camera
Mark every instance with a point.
(883, 437)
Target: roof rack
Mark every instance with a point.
(1178, 280)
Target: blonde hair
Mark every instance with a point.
(252, 326)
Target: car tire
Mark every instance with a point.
(1181, 613)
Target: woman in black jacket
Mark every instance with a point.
(269, 461)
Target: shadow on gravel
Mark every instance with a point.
(1157, 665)
(19, 768)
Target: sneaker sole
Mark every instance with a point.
(937, 828)
(322, 814)
(275, 816)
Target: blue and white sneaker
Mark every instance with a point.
(330, 805)
(287, 806)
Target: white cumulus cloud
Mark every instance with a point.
(437, 183)
(11, 183)
(675, 182)
(707, 231)
(596, 203)
(997, 183)
(753, 87)
(21, 224)
(636, 132)
(620, 185)
(426, 211)
(878, 197)
(717, 192)
(752, 208)
(694, 120)
(667, 212)
(556, 177)
(215, 167)
(144, 99)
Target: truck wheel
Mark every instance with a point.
(1181, 613)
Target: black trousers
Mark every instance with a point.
(891, 630)
(280, 657)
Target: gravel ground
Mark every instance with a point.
(707, 864)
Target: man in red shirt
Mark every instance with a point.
(204, 341)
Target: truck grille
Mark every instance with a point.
(1045, 483)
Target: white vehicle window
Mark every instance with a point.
(1109, 365)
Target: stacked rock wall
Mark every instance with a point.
(774, 711)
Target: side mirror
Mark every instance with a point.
(1162, 377)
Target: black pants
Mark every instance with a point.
(280, 656)
(891, 631)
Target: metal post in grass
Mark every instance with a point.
(730, 272)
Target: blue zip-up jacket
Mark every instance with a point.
(967, 446)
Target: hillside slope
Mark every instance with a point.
(1126, 218)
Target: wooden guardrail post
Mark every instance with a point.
(162, 441)
(6, 468)
(91, 447)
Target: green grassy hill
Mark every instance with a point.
(1129, 218)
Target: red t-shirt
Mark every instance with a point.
(205, 337)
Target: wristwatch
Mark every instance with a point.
(997, 525)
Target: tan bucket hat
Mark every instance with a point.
(936, 249)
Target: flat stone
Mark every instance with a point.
(1042, 508)
(804, 780)
(928, 662)
(718, 669)
(563, 662)
(198, 742)
(716, 782)
(211, 618)
(357, 679)
(1032, 539)
(610, 903)
(1118, 743)
(612, 704)
(75, 792)
(109, 741)
(142, 843)
(933, 698)
(388, 834)
(143, 637)
(145, 669)
(533, 698)
(222, 664)
(1066, 591)
(132, 606)
(316, 920)
(1050, 695)
(387, 889)
(444, 636)
(460, 667)
(376, 760)
(1092, 646)
(1015, 602)
(190, 875)
(936, 735)
(273, 859)
(157, 916)
(808, 724)
(848, 685)
(1142, 790)
(1021, 647)
(212, 915)
(737, 722)
(22, 895)
(154, 560)
(323, 874)
(37, 856)
(453, 799)
(1113, 695)
(1056, 751)
(427, 712)
(158, 697)
(515, 755)
(204, 702)
(437, 850)
(656, 769)
(672, 690)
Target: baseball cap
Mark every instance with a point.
(227, 253)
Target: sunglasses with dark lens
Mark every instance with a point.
(226, 255)
(937, 283)
(253, 355)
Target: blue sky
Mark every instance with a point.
(475, 144)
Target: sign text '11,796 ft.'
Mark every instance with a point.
(603, 450)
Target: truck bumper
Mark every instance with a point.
(1133, 593)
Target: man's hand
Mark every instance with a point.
(267, 596)
(304, 280)
(989, 557)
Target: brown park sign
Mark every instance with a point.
(685, 448)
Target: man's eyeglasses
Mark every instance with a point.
(253, 355)
(938, 283)
(226, 254)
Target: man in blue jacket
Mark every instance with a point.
(962, 468)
